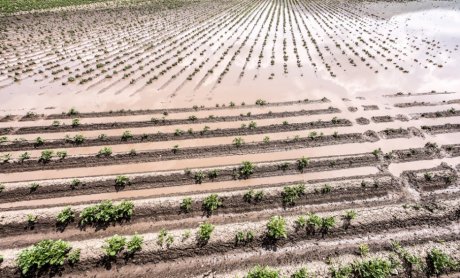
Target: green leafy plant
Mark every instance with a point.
(213, 174)
(439, 262)
(263, 272)
(327, 223)
(242, 237)
(238, 142)
(74, 256)
(199, 177)
(186, 204)
(363, 249)
(276, 228)
(106, 212)
(122, 181)
(75, 122)
(24, 156)
(39, 141)
(61, 154)
(126, 135)
(46, 156)
(114, 245)
(350, 215)
(376, 267)
(211, 203)
(246, 169)
(34, 186)
(301, 273)
(204, 232)
(46, 253)
(302, 163)
(66, 216)
(291, 194)
(105, 152)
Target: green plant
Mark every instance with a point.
(132, 152)
(244, 237)
(162, 236)
(46, 253)
(105, 151)
(75, 122)
(24, 156)
(363, 249)
(114, 245)
(122, 181)
(175, 149)
(266, 140)
(204, 232)
(238, 142)
(326, 189)
(61, 154)
(46, 156)
(291, 194)
(350, 215)
(74, 256)
(186, 204)
(74, 183)
(428, 176)
(31, 219)
(34, 186)
(199, 177)
(213, 174)
(186, 234)
(261, 102)
(246, 169)
(301, 273)
(211, 203)
(248, 196)
(66, 216)
(3, 139)
(192, 118)
(439, 262)
(301, 222)
(373, 268)
(302, 163)
(2, 187)
(5, 158)
(72, 112)
(178, 132)
(258, 196)
(411, 262)
(126, 135)
(276, 228)
(327, 223)
(106, 212)
(78, 139)
(263, 272)
(252, 125)
(341, 272)
(39, 141)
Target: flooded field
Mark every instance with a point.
(230, 138)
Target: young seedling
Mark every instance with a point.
(126, 135)
(439, 262)
(75, 122)
(363, 249)
(238, 142)
(34, 186)
(213, 174)
(61, 154)
(24, 156)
